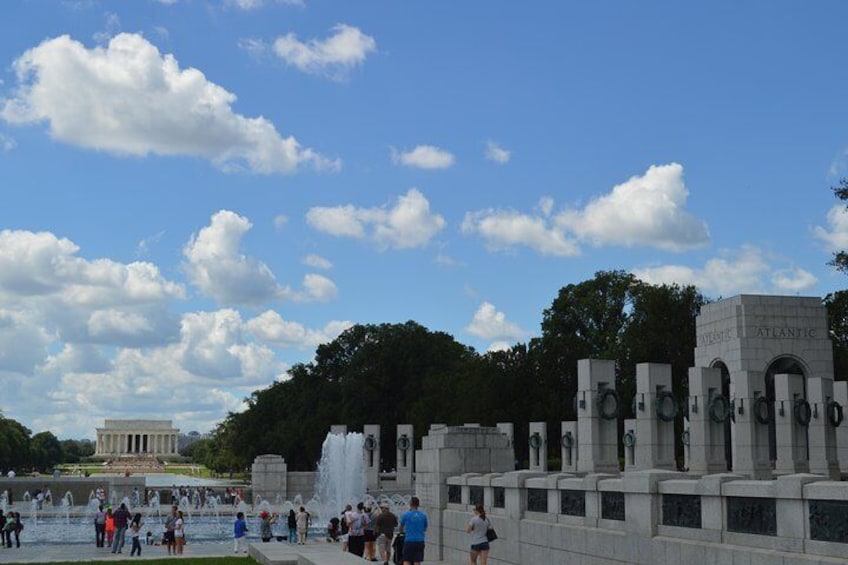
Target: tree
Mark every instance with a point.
(840, 258)
(836, 304)
(14, 444)
(45, 451)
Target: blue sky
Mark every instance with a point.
(198, 192)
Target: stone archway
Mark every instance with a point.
(783, 364)
(728, 433)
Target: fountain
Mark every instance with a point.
(65, 506)
(341, 475)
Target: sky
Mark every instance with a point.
(197, 193)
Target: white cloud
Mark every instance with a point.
(333, 57)
(280, 220)
(128, 99)
(646, 210)
(7, 143)
(271, 328)
(741, 271)
(317, 262)
(316, 288)
(492, 325)
(498, 346)
(496, 153)
(836, 234)
(506, 229)
(216, 266)
(793, 280)
(255, 4)
(447, 261)
(143, 248)
(409, 223)
(113, 26)
(424, 157)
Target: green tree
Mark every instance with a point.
(836, 304)
(840, 258)
(14, 444)
(45, 451)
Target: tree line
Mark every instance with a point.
(20, 450)
(405, 373)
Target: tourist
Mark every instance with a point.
(169, 529)
(476, 529)
(344, 527)
(109, 527)
(99, 526)
(413, 524)
(333, 530)
(384, 527)
(356, 531)
(3, 522)
(302, 525)
(370, 538)
(17, 527)
(122, 521)
(267, 520)
(135, 533)
(179, 533)
(240, 533)
(291, 522)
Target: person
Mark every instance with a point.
(370, 538)
(122, 521)
(384, 527)
(476, 529)
(333, 530)
(179, 533)
(169, 529)
(19, 526)
(345, 530)
(135, 533)
(109, 527)
(99, 526)
(355, 531)
(3, 521)
(302, 525)
(240, 534)
(291, 522)
(413, 524)
(267, 520)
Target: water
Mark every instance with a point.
(341, 474)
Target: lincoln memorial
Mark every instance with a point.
(123, 438)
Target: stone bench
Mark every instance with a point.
(279, 554)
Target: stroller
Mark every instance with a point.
(397, 549)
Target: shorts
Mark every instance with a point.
(169, 537)
(413, 551)
(384, 543)
(480, 546)
(369, 536)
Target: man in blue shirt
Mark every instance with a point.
(413, 524)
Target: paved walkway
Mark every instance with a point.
(84, 552)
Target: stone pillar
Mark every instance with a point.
(371, 457)
(750, 438)
(568, 440)
(706, 435)
(790, 436)
(840, 394)
(268, 477)
(538, 440)
(654, 447)
(448, 452)
(821, 434)
(508, 429)
(405, 456)
(598, 447)
(340, 429)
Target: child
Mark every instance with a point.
(149, 538)
(135, 531)
(240, 534)
(110, 528)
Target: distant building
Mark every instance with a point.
(129, 438)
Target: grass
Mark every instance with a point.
(182, 560)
